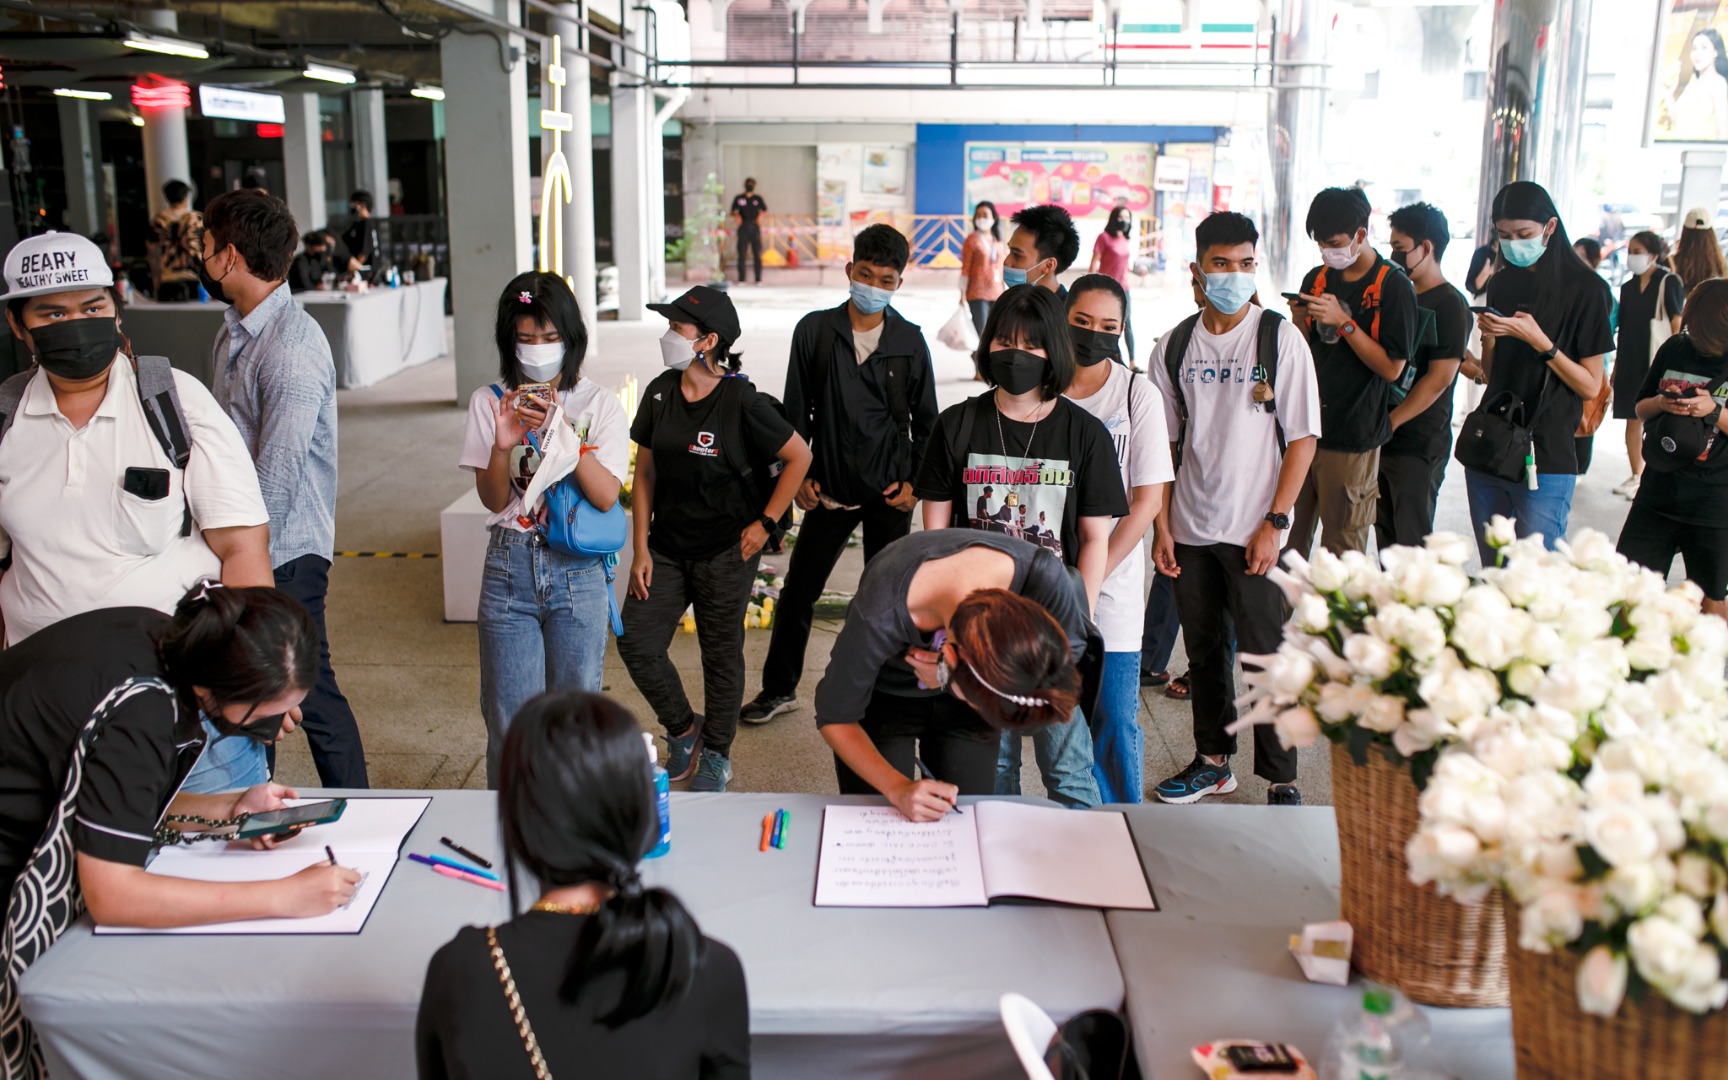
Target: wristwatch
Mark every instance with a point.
(1349, 327)
(769, 523)
(1551, 352)
(1279, 521)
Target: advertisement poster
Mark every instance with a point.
(1086, 179)
(884, 170)
(1689, 92)
(858, 186)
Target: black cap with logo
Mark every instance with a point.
(1670, 441)
(705, 306)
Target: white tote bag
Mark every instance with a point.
(957, 333)
(1661, 327)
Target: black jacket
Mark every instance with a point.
(856, 443)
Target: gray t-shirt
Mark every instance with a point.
(869, 654)
(866, 342)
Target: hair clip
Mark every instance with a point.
(207, 584)
(525, 297)
(1018, 699)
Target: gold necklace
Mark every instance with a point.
(556, 908)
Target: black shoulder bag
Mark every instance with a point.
(1496, 438)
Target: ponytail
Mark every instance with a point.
(576, 806)
(722, 355)
(240, 644)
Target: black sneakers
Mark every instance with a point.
(765, 707)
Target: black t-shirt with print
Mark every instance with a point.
(1037, 493)
(1428, 434)
(1581, 331)
(749, 208)
(50, 685)
(1697, 492)
(700, 502)
(1354, 400)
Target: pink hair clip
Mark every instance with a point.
(525, 297)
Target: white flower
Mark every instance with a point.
(1370, 656)
(1297, 727)
(1326, 573)
(1501, 532)
(1601, 981)
(1451, 548)
(1651, 652)
(1551, 919)
(1637, 889)
(1384, 714)
(1591, 550)
(1524, 677)
(1312, 615)
(1421, 730)
(1622, 835)
(1697, 876)
(1719, 917)
(1673, 960)
(1340, 701)
(1605, 785)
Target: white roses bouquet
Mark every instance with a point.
(1574, 714)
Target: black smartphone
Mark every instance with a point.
(1486, 311)
(1260, 1058)
(1295, 297)
(151, 484)
(291, 817)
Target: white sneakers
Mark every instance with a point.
(1627, 487)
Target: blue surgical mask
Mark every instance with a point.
(1229, 291)
(1523, 252)
(868, 299)
(1012, 276)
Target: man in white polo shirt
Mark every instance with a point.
(94, 512)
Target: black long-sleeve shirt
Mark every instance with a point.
(843, 412)
(465, 1030)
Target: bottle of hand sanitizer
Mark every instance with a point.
(662, 799)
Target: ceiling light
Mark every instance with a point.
(330, 74)
(166, 46)
(84, 95)
(430, 93)
(137, 121)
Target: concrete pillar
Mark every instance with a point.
(165, 154)
(486, 183)
(1535, 106)
(578, 148)
(78, 145)
(1701, 179)
(371, 162)
(632, 111)
(1298, 117)
(303, 161)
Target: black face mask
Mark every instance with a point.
(213, 286)
(1016, 370)
(1093, 346)
(260, 729)
(76, 349)
(1401, 259)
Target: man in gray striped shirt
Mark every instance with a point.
(274, 376)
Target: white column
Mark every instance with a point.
(371, 162)
(486, 183)
(303, 161)
(165, 155)
(1701, 179)
(632, 111)
(579, 153)
(78, 146)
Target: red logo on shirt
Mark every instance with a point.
(704, 445)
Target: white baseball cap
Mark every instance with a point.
(55, 262)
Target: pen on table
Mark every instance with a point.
(330, 853)
(469, 878)
(785, 829)
(464, 852)
(928, 775)
(767, 830)
(779, 823)
(439, 860)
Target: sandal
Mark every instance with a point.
(1154, 679)
(1178, 689)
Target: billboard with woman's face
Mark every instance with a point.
(1689, 98)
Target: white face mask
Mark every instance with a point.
(1339, 258)
(541, 363)
(1638, 263)
(675, 350)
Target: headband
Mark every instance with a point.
(1028, 702)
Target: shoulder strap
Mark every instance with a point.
(732, 449)
(1173, 354)
(12, 398)
(961, 437)
(1319, 285)
(161, 401)
(1268, 356)
(497, 391)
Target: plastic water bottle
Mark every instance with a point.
(203, 294)
(1367, 1048)
(662, 799)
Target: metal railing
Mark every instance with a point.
(799, 240)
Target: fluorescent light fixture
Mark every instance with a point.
(166, 46)
(330, 74)
(430, 93)
(84, 95)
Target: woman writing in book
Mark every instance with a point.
(954, 637)
(604, 976)
(100, 723)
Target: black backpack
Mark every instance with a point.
(757, 473)
(1266, 356)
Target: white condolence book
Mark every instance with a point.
(366, 838)
(873, 857)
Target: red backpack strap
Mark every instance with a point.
(1371, 299)
(1319, 285)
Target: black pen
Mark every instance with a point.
(330, 853)
(464, 852)
(928, 775)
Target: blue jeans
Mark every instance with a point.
(1544, 510)
(1064, 755)
(229, 763)
(544, 616)
(1118, 751)
(1158, 640)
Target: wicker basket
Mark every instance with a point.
(1434, 949)
(1556, 1040)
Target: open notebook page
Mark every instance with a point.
(873, 857)
(1069, 856)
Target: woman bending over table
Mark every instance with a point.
(601, 977)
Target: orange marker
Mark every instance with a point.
(767, 830)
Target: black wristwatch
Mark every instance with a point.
(1551, 353)
(769, 523)
(1279, 521)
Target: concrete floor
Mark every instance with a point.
(414, 680)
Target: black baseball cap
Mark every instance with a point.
(1671, 441)
(704, 306)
